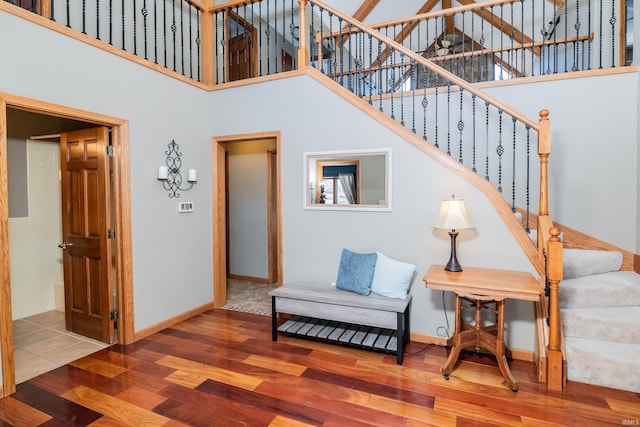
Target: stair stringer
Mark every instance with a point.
(495, 197)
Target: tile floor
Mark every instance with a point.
(42, 344)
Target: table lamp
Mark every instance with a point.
(453, 216)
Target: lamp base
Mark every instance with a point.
(453, 265)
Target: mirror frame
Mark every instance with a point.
(342, 156)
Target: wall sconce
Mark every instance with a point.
(453, 216)
(170, 174)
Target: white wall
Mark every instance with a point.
(248, 231)
(36, 260)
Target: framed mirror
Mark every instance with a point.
(348, 180)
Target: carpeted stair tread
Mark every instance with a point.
(585, 262)
(618, 288)
(621, 324)
(607, 364)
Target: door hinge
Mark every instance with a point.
(110, 150)
(111, 233)
(114, 315)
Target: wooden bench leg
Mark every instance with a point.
(274, 320)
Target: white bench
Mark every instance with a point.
(373, 322)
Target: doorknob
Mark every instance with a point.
(64, 245)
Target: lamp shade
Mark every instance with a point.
(453, 215)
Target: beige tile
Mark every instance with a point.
(34, 338)
(51, 319)
(75, 352)
(34, 368)
(53, 345)
(22, 357)
(22, 327)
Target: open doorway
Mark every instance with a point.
(246, 180)
(24, 120)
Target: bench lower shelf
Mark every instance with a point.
(365, 337)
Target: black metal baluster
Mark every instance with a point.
(97, 19)
(413, 75)
(111, 22)
(500, 150)
(501, 41)
(247, 44)
(164, 31)
(522, 49)
(370, 69)
(576, 47)
(84, 15)
(486, 141)
(341, 52)
(135, 29)
(198, 44)
(350, 57)
(260, 34)
(68, 15)
(460, 127)
(380, 74)
(588, 32)
(600, 33)
(53, 15)
(425, 101)
(191, 41)
(513, 178)
(448, 117)
(253, 50)
(436, 80)
(182, 39)
(391, 80)
(464, 58)
(402, 74)
(613, 21)
(473, 133)
(124, 43)
(292, 27)
(218, 41)
(268, 34)
(174, 29)
(528, 201)
(482, 40)
(533, 42)
(155, 31)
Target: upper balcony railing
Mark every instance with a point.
(478, 41)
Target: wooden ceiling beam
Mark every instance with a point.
(361, 14)
(406, 30)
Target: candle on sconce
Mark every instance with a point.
(192, 175)
(163, 172)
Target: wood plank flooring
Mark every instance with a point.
(222, 369)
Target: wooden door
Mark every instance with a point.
(242, 55)
(85, 220)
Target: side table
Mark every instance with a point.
(482, 289)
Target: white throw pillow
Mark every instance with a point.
(392, 278)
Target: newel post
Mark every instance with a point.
(544, 149)
(303, 53)
(555, 363)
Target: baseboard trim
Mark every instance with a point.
(146, 332)
(516, 354)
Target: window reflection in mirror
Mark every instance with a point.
(348, 180)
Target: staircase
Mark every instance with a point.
(600, 307)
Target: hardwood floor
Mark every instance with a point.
(222, 369)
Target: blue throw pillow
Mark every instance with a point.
(392, 278)
(356, 270)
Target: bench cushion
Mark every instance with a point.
(331, 295)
